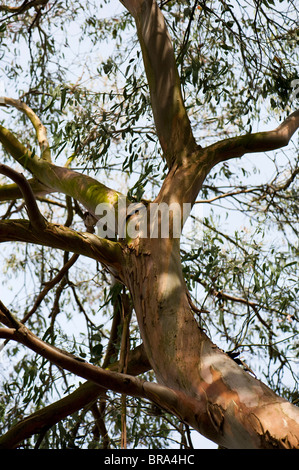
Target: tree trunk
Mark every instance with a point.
(222, 401)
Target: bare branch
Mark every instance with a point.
(82, 396)
(224, 195)
(163, 396)
(254, 305)
(36, 218)
(57, 236)
(26, 5)
(7, 333)
(251, 143)
(41, 132)
(49, 285)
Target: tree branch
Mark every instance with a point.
(137, 364)
(50, 415)
(251, 143)
(49, 285)
(26, 5)
(109, 380)
(57, 236)
(41, 132)
(162, 396)
(172, 123)
(82, 396)
(88, 191)
(36, 218)
(14, 147)
(9, 192)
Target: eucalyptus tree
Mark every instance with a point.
(162, 120)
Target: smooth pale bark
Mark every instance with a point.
(40, 130)
(239, 410)
(205, 388)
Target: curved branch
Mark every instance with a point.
(82, 396)
(36, 218)
(14, 147)
(41, 131)
(251, 143)
(88, 191)
(164, 397)
(57, 236)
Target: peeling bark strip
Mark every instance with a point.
(198, 382)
